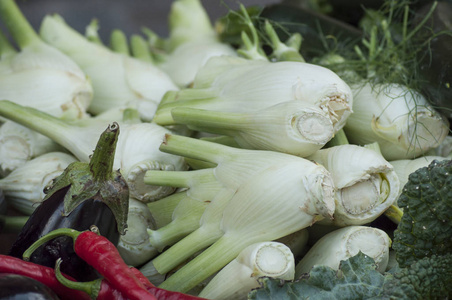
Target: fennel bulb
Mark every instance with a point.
(214, 186)
(444, 149)
(366, 184)
(19, 144)
(192, 41)
(265, 196)
(344, 243)
(262, 104)
(137, 149)
(184, 62)
(118, 80)
(39, 75)
(399, 119)
(188, 21)
(134, 246)
(239, 277)
(24, 187)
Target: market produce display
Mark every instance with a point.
(291, 151)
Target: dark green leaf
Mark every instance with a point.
(426, 225)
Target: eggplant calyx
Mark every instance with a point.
(96, 180)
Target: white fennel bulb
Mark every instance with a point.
(184, 62)
(192, 41)
(240, 276)
(344, 243)
(286, 106)
(444, 149)
(188, 21)
(118, 80)
(39, 75)
(137, 149)
(24, 187)
(18, 144)
(213, 187)
(401, 120)
(233, 84)
(266, 195)
(366, 184)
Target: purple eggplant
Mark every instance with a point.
(85, 194)
(18, 287)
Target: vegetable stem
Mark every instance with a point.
(162, 209)
(18, 26)
(204, 236)
(340, 138)
(178, 178)
(140, 48)
(281, 51)
(186, 219)
(101, 163)
(118, 42)
(189, 147)
(92, 288)
(5, 46)
(48, 125)
(212, 259)
(179, 252)
(394, 213)
(91, 32)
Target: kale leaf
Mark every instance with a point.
(426, 225)
(357, 279)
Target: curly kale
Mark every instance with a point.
(427, 278)
(357, 278)
(426, 225)
(423, 245)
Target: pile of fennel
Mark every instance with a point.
(244, 161)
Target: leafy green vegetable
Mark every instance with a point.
(357, 279)
(428, 278)
(426, 226)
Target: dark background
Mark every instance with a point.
(127, 15)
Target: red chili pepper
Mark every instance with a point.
(43, 274)
(160, 293)
(103, 255)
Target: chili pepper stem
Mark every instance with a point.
(92, 288)
(50, 236)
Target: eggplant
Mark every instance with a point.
(18, 287)
(85, 194)
(49, 216)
